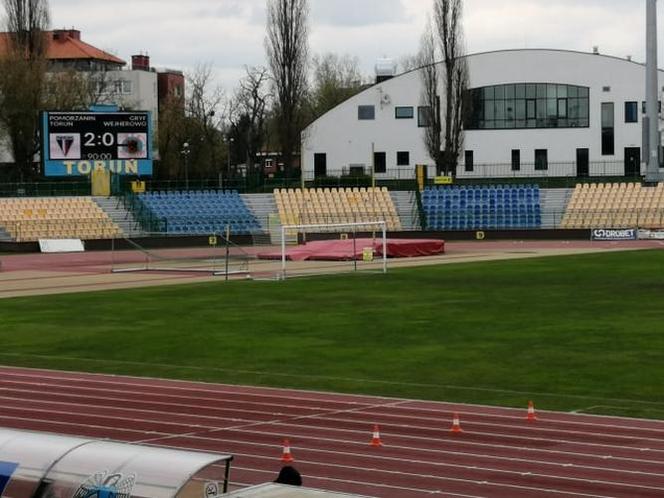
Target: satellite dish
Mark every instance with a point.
(385, 99)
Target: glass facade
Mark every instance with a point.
(528, 105)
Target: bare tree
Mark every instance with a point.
(409, 62)
(204, 116)
(22, 76)
(448, 21)
(429, 98)
(335, 79)
(287, 53)
(248, 115)
(27, 21)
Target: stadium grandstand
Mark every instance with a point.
(31, 219)
(523, 210)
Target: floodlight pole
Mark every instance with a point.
(651, 135)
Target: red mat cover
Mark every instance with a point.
(347, 250)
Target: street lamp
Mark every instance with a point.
(185, 153)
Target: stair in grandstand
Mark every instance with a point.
(554, 202)
(406, 205)
(264, 207)
(115, 209)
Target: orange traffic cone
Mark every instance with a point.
(375, 440)
(531, 412)
(456, 425)
(287, 456)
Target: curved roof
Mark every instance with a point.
(483, 54)
(73, 465)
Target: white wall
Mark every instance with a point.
(346, 140)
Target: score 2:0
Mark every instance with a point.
(107, 140)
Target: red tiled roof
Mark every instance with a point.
(68, 46)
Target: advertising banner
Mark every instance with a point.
(613, 234)
(79, 143)
(651, 234)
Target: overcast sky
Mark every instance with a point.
(229, 34)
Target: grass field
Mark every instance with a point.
(573, 333)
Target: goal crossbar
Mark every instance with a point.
(381, 225)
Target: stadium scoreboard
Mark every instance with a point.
(79, 143)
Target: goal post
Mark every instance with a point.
(212, 254)
(363, 241)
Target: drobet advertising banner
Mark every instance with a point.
(612, 234)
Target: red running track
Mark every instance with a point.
(499, 455)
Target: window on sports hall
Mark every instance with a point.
(528, 105)
(631, 112)
(608, 129)
(424, 116)
(469, 159)
(403, 158)
(380, 162)
(541, 159)
(516, 160)
(404, 113)
(366, 112)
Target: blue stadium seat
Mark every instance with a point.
(201, 212)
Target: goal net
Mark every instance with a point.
(212, 254)
(312, 249)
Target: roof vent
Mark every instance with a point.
(629, 58)
(596, 50)
(385, 69)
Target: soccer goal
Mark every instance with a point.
(333, 248)
(212, 254)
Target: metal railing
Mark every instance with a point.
(147, 220)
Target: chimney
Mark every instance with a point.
(62, 35)
(140, 62)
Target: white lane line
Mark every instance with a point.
(245, 443)
(580, 480)
(393, 403)
(219, 399)
(557, 417)
(213, 428)
(243, 428)
(433, 477)
(518, 438)
(505, 436)
(279, 374)
(218, 440)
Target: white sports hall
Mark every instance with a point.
(534, 113)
